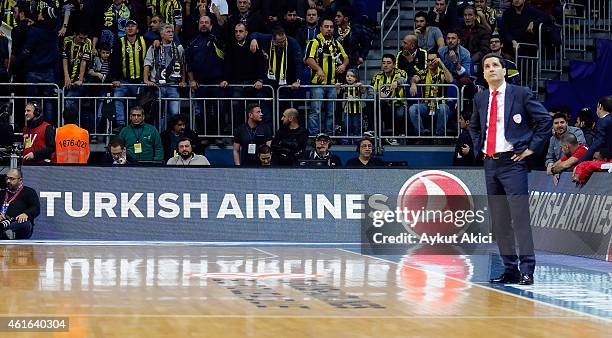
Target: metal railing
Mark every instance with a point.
(574, 29)
(367, 105)
(223, 110)
(551, 57)
(432, 108)
(89, 105)
(385, 16)
(599, 16)
(12, 97)
(527, 56)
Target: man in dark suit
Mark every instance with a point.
(520, 127)
(603, 128)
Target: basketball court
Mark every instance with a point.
(139, 289)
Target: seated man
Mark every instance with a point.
(186, 156)
(117, 154)
(365, 148)
(142, 140)
(437, 74)
(264, 153)
(321, 151)
(572, 152)
(20, 205)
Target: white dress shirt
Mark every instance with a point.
(501, 144)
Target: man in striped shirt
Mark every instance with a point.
(76, 54)
(326, 59)
(127, 67)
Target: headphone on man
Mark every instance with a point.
(361, 140)
(37, 110)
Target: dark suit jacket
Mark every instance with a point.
(527, 123)
(603, 137)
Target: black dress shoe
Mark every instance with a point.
(506, 278)
(526, 279)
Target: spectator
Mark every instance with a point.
(486, 15)
(113, 22)
(71, 141)
(388, 83)
(321, 151)
(603, 128)
(437, 74)
(4, 60)
(205, 67)
(18, 38)
(365, 158)
(310, 30)
(19, 209)
(473, 35)
(165, 66)
(411, 58)
(242, 67)
(216, 10)
(76, 55)
(327, 59)
(560, 127)
(249, 136)
(173, 14)
(284, 57)
(127, 67)
(291, 22)
(117, 154)
(496, 46)
(253, 20)
(99, 73)
(585, 122)
(456, 58)
(38, 136)
(290, 140)
(142, 140)
(39, 57)
(352, 107)
(186, 156)
(572, 152)
(177, 129)
(155, 24)
(9, 17)
(443, 16)
(429, 37)
(520, 23)
(464, 150)
(355, 42)
(264, 154)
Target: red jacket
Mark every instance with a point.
(39, 138)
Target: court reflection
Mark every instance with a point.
(18, 258)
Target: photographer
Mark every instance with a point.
(20, 205)
(290, 141)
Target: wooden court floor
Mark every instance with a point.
(189, 291)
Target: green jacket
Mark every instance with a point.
(148, 136)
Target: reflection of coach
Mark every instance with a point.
(20, 205)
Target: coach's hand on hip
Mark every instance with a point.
(522, 156)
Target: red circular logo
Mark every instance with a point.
(431, 201)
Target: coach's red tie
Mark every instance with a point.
(492, 131)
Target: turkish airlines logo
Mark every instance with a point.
(434, 192)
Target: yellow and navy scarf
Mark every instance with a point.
(272, 64)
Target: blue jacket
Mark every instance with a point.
(295, 63)
(464, 59)
(40, 50)
(527, 123)
(205, 58)
(603, 137)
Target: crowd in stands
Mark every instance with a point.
(208, 46)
